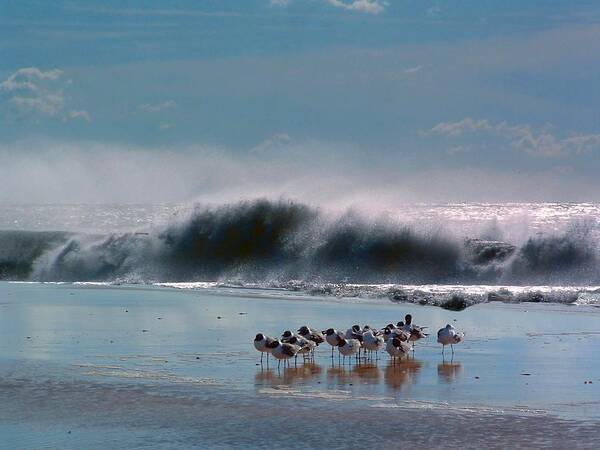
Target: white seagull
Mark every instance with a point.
(449, 336)
(348, 347)
(371, 342)
(397, 349)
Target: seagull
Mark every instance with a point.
(416, 332)
(397, 349)
(371, 342)
(332, 337)
(449, 336)
(286, 336)
(306, 345)
(261, 343)
(388, 333)
(394, 332)
(310, 334)
(407, 322)
(388, 328)
(348, 347)
(283, 351)
(354, 333)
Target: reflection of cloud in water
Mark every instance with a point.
(448, 371)
(402, 373)
(288, 375)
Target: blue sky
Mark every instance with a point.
(371, 101)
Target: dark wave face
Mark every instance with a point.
(278, 241)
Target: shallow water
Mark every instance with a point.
(103, 366)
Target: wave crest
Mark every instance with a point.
(260, 241)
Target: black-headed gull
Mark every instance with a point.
(261, 343)
(283, 351)
(348, 347)
(313, 335)
(332, 337)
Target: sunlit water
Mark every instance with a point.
(514, 220)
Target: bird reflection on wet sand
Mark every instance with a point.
(303, 373)
(366, 373)
(402, 373)
(394, 375)
(448, 371)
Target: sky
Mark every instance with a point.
(334, 102)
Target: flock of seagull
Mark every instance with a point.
(397, 340)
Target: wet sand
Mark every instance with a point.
(134, 367)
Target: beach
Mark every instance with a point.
(97, 366)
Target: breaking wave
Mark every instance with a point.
(291, 245)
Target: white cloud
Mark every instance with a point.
(414, 69)
(275, 142)
(80, 114)
(24, 79)
(433, 11)
(522, 137)
(467, 125)
(282, 3)
(367, 6)
(46, 103)
(458, 149)
(33, 92)
(154, 108)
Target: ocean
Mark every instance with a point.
(451, 255)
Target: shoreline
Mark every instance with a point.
(452, 297)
